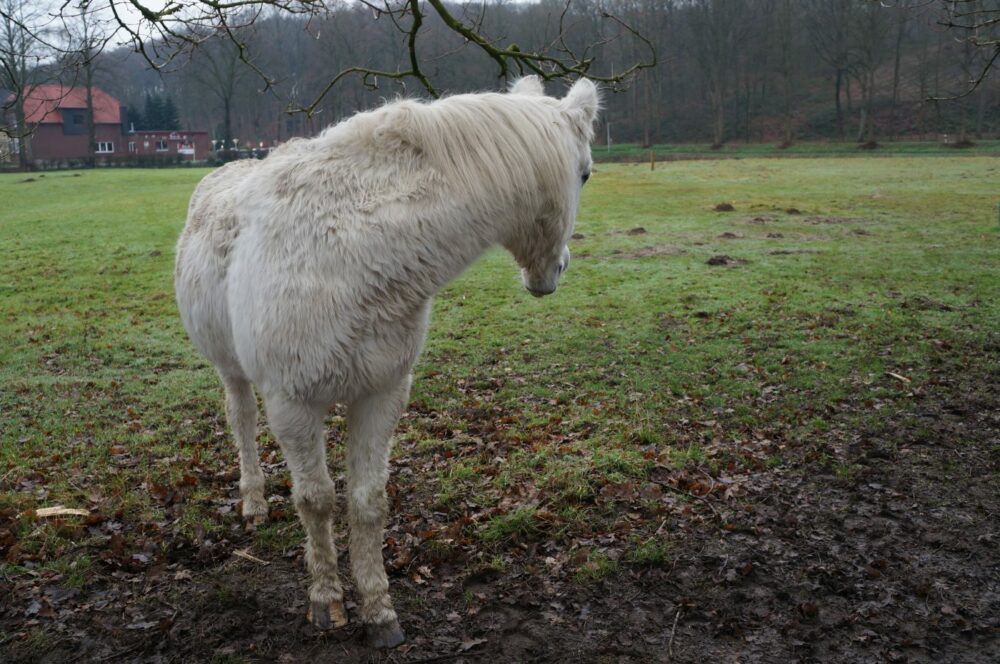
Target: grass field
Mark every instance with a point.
(652, 386)
(739, 150)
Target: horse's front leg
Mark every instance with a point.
(299, 430)
(371, 421)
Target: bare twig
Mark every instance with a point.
(673, 633)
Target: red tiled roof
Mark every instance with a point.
(42, 104)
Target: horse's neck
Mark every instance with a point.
(436, 249)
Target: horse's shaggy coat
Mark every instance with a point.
(310, 275)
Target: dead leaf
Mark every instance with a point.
(472, 643)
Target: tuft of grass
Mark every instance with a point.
(520, 524)
(598, 566)
(651, 552)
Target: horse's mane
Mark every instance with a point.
(498, 147)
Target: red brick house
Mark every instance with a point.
(57, 121)
(190, 145)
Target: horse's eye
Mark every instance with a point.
(586, 176)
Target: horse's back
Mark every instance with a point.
(203, 254)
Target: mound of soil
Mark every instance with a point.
(725, 260)
(724, 207)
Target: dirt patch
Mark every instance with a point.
(760, 220)
(832, 220)
(883, 547)
(730, 236)
(578, 236)
(724, 260)
(724, 207)
(793, 211)
(638, 230)
(658, 250)
(791, 252)
(775, 236)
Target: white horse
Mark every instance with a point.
(310, 275)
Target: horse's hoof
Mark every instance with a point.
(388, 635)
(326, 616)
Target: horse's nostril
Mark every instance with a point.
(562, 266)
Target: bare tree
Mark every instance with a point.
(218, 68)
(978, 21)
(829, 23)
(86, 40)
(871, 24)
(717, 31)
(22, 24)
(166, 32)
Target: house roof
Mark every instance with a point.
(43, 104)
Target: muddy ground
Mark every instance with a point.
(892, 557)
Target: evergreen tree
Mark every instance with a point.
(134, 119)
(170, 120)
(153, 115)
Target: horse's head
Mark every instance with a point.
(543, 252)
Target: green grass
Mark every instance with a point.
(737, 149)
(529, 418)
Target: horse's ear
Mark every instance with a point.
(581, 104)
(528, 85)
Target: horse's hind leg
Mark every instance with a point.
(299, 430)
(241, 411)
(371, 421)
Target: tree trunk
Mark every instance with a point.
(22, 134)
(981, 112)
(893, 129)
(91, 123)
(719, 130)
(840, 111)
(227, 123)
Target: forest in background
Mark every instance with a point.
(728, 70)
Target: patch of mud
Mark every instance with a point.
(761, 219)
(730, 236)
(833, 220)
(724, 207)
(646, 252)
(638, 230)
(724, 260)
(792, 252)
(874, 543)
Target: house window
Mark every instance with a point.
(74, 121)
(105, 147)
(131, 147)
(162, 145)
